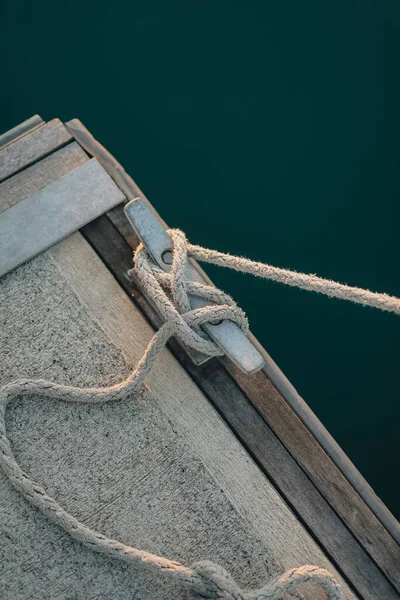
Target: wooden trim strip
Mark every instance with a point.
(329, 444)
(112, 166)
(120, 176)
(271, 370)
(322, 471)
(22, 129)
(32, 147)
(252, 430)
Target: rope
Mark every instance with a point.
(207, 579)
(311, 283)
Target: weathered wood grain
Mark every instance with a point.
(34, 178)
(20, 130)
(329, 444)
(111, 165)
(63, 206)
(32, 147)
(120, 176)
(252, 429)
(323, 473)
(271, 370)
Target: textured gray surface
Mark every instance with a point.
(120, 468)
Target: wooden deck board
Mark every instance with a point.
(22, 129)
(42, 173)
(120, 176)
(32, 147)
(335, 488)
(160, 470)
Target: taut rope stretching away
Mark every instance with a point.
(205, 578)
(311, 283)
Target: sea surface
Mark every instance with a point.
(265, 129)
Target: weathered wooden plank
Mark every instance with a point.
(272, 371)
(254, 432)
(323, 473)
(42, 219)
(34, 178)
(32, 147)
(328, 443)
(20, 130)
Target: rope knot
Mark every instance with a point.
(217, 581)
(188, 304)
(217, 584)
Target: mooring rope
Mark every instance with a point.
(311, 283)
(205, 578)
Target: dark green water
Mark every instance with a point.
(268, 129)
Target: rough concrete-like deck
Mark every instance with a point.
(160, 471)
